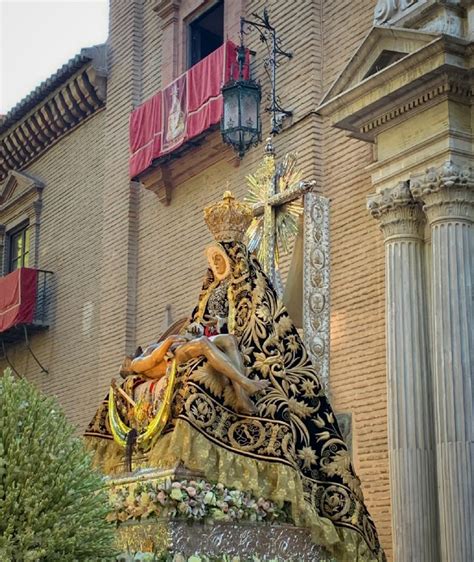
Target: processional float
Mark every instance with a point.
(220, 442)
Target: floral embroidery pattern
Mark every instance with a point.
(294, 423)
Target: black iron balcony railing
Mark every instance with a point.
(25, 308)
(19, 329)
(44, 298)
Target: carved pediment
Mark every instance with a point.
(373, 56)
(17, 186)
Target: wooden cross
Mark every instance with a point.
(271, 189)
(274, 189)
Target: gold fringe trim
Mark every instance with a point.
(108, 456)
(273, 481)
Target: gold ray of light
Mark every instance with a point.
(260, 188)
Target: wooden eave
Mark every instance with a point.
(76, 99)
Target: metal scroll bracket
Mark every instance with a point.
(28, 347)
(7, 359)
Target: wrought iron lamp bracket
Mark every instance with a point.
(268, 35)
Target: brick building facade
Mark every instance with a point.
(126, 262)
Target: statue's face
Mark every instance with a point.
(220, 264)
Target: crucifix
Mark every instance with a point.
(275, 192)
(280, 199)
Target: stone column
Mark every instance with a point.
(447, 194)
(410, 420)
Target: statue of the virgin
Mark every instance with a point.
(233, 395)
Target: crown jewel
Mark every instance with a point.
(229, 219)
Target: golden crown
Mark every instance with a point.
(229, 219)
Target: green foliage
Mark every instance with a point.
(52, 504)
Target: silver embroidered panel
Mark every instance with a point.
(316, 266)
(243, 540)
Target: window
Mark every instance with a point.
(206, 33)
(18, 247)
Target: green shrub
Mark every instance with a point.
(52, 504)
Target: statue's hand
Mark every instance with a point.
(175, 342)
(126, 367)
(220, 323)
(195, 329)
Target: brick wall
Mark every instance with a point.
(357, 360)
(171, 238)
(119, 226)
(70, 246)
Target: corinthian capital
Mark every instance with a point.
(446, 192)
(399, 214)
(386, 10)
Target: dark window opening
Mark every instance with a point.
(206, 33)
(386, 58)
(18, 247)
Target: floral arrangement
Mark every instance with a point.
(190, 499)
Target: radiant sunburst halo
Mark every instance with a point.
(260, 195)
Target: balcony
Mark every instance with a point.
(178, 117)
(25, 303)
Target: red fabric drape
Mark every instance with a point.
(17, 298)
(183, 110)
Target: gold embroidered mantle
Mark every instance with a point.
(292, 449)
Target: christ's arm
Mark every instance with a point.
(146, 362)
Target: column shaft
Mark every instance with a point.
(411, 430)
(410, 416)
(454, 414)
(447, 195)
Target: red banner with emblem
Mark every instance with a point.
(183, 110)
(17, 298)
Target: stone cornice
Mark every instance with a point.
(441, 68)
(168, 11)
(73, 101)
(446, 192)
(400, 216)
(443, 86)
(378, 39)
(440, 16)
(424, 14)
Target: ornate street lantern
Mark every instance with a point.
(241, 126)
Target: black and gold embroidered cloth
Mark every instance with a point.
(292, 449)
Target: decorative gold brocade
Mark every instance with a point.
(292, 449)
(277, 482)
